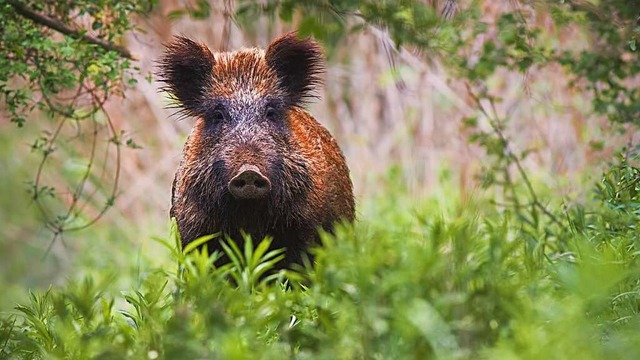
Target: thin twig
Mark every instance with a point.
(56, 233)
(60, 27)
(114, 188)
(496, 129)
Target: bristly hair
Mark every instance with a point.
(186, 70)
(298, 64)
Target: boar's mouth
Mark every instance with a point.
(254, 216)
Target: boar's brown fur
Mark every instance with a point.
(255, 160)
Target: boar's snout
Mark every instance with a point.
(249, 183)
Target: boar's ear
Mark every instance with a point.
(298, 64)
(186, 69)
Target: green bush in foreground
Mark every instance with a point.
(436, 280)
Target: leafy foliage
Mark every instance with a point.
(620, 185)
(606, 69)
(458, 284)
(61, 60)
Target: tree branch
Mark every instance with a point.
(60, 27)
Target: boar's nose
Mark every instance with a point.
(249, 183)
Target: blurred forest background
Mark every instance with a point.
(442, 99)
(399, 109)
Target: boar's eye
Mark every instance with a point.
(218, 115)
(271, 114)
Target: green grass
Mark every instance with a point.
(433, 278)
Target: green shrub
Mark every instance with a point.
(430, 279)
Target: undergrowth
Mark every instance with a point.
(424, 279)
